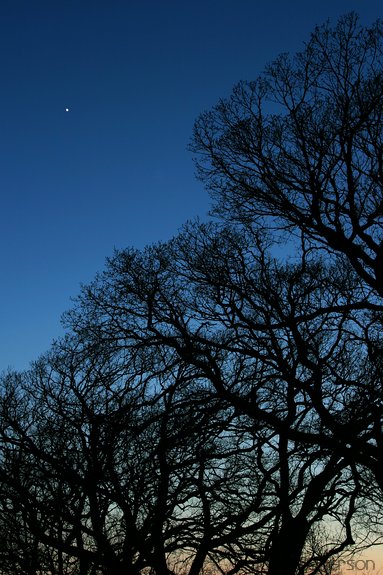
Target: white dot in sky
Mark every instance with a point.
(67, 109)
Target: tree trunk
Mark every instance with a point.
(287, 547)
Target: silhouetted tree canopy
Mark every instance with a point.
(300, 148)
(217, 402)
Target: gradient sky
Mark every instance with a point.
(114, 171)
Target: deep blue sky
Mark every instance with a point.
(114, 171)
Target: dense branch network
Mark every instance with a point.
(217, 401)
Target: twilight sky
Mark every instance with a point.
(114, 170)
